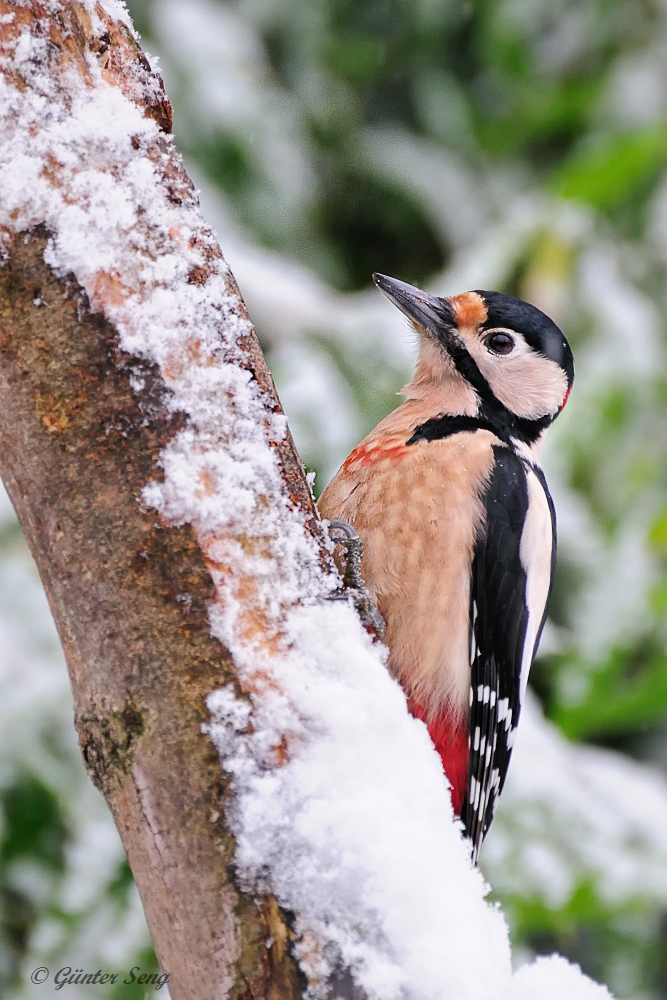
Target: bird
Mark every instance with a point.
(457, 525)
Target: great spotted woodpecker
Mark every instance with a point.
(458, 527)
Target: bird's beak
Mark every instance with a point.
(431, 312)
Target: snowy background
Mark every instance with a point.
(517, 145)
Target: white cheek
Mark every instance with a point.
(529, 385)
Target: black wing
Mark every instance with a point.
(500, 632)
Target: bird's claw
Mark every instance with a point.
(354, 589)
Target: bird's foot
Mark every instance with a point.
(349, 565)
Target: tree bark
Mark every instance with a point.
(129, 593)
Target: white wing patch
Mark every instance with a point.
(511, 581)
(535, 554)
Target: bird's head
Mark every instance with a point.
(511, 355)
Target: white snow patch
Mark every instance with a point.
(341, 805)
(356, 828)
(553, 978)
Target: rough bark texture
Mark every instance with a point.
(129, 598)
(129, 595)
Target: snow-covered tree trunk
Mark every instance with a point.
(83, 422)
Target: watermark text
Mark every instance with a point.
(67, 976)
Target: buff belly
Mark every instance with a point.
(412, 508)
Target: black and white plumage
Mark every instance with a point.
(512, 575)
(458, 526)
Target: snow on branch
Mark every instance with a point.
(341, 808)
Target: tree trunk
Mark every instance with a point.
(128, 592)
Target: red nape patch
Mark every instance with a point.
(366, 454)
(567, 396)
(452, 745)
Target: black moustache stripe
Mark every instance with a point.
(492, 415)
(497, 420)
(466, 367)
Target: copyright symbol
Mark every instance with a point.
(40, 975)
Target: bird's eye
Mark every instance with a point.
(500, 343)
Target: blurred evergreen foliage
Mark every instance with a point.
(514, 144)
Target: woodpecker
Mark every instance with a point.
(458, 527)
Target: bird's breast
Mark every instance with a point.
(417, 509)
